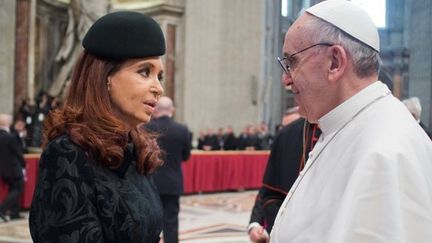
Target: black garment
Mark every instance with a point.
(245, 141)
(212, 141)
(11, 160)
(230, 142)
(11, 172)
(77, 200)
(242, 141)
(285, 162)
(171, 206)
(174, 140)
(201, 143)
(12, 200)
(19, 139)
(266, 141)
(26, 113)
(38, 119)
(253, 141)
(427, 131)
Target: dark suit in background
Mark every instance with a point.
(230, 142)
(174, 139)
(11, 172)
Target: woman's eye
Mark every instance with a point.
(145, 72)
(160, 77)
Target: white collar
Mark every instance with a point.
(5, 129)
(343, 113)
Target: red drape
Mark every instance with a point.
(203, 172)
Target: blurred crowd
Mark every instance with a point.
(29, 119)
(251, 138)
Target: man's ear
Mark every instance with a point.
(338, 62)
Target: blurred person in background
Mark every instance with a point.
(290, 115)
(414, 107)
(248, 139)
(220, 137)
(211, 141)
(174, 140)
(264, 136)
(12, 165)
(25, 113)
(20, 132)
(201, 139)
(43, 107)
(242, 138)
(230, 141)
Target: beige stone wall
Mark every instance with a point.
(222, 63)
(7, 50)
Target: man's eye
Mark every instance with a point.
(145, 72)
(290, 60)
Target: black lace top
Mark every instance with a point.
(78, 201)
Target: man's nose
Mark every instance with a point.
(286, 79)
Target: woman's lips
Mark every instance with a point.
(150, 106)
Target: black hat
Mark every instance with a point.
(123, 35)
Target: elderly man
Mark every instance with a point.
(414, 107)
(369, 177)
(175, 140)
(12, 164)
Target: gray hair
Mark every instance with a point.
(164, 107)
(366, 60)
(414, 106)
(5, 120)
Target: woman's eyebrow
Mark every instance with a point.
(145, 64)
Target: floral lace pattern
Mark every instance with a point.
(78, 201)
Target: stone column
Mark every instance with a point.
(7, 52)
(420, 61)
(21, 50)
(170, 61)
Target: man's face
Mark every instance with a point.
(307, 69)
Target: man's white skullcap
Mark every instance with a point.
(350, 18)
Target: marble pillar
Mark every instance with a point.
(7, 52)
(21, 51)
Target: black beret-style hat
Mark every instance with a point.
(124, 35)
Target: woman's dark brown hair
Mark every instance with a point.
(88, 119)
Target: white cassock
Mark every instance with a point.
(368, 179)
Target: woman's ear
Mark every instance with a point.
(338, 62)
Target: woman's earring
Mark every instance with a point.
(109, 85)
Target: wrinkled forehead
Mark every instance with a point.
(300, 32)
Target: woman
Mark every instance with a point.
(93, 184)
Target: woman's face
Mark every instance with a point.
(135, 89)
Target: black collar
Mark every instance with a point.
(128, 158)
